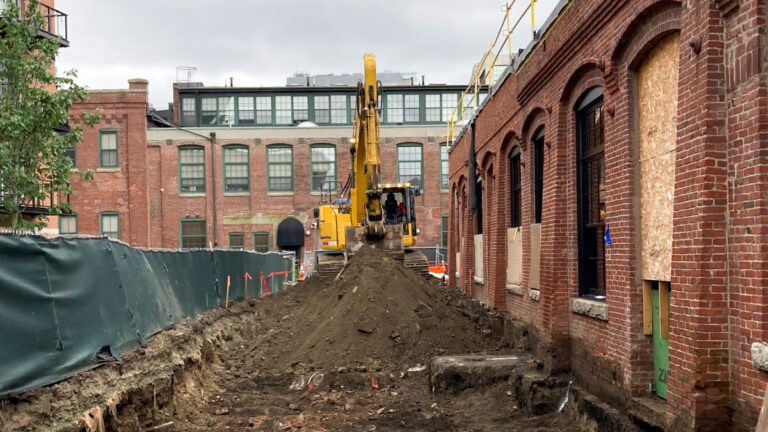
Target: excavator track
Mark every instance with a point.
(417, 261)
(329, 265)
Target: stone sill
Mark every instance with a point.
(590, 308)
(478, 280)
(237, 194)
(760, 356)
(191, 195)
(534, 294)
(279, 193)
(515, 289)
(107, 170)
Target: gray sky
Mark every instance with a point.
(261, 42)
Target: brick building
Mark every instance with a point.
(620, 204)
(161, 185)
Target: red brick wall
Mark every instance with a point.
(718, 299)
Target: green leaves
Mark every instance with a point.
(33, 163)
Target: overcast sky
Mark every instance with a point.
(261, 42)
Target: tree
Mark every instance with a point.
(33, 163)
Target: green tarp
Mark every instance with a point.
(67, 305)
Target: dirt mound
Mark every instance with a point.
(377, 312)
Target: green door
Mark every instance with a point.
(660, 346)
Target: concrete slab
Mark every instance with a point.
(455, 373)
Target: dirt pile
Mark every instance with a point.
(379, 312)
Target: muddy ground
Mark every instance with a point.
(349, 355)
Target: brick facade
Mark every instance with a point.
(718, 297)
(144, 188)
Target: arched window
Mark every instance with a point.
(191, 169)
(538, 174)
(515, 187)
(591, 193)
(322, 163)
(279, 168)
(236, 168)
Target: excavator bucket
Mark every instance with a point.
(391, 242)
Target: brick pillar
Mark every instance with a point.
(495, 269)
(135, 124)
(698, 383)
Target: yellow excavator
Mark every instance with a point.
(363, 210)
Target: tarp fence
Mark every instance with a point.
(69, 304)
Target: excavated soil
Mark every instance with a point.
(344, 355)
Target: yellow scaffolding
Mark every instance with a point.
(480, 75)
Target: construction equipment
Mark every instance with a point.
(356, 213)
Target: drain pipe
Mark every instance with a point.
(213, 189)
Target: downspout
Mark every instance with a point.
(213, 189)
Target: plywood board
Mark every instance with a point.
(534, 271)
(458, 262)
(664, 310)
(515, 256)
(478, 255)
(647, 308)
(657, 129)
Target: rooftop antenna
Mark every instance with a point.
(184, 73)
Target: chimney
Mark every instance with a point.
(138, 84)
(231, 82)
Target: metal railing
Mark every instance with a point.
(488, 70)
(54, 22)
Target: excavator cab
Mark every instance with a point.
(403, 211)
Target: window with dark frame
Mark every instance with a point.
(322, 109)
(245, 111)
(591, 194)
(107, 149)
(188, 111)
(193, 234)
(409, 164)
(394, 108)
(515, 188)
(538, 175)
(279, 168)
(444, 231)
(300, 108)
(339, 109)
(191, 169)
(236, 169)
(322, 161)
(263, 110)
(237, 241)
(109, 225)
(261, 242)
(67, 224)
(443, 166)
(479, 208)
(208, 113)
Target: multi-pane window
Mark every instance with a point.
(394, 108)
(109, 225)
(245, 110)
(591, 194)
(450, 100)
(71, 154)
(188, 111)
(444, 166)
(444, 231)
(432, 107)
(515, 188)
(193, 233)
(226, 110)
(283, 110)
(261, 242)
(538, 176)
(300, 108)
(191, 169)
(409, 163)
(338, 109)
(498, 70)
(108, 149)
(322, 109)
(237, 241)
(322, 160)
(412, 108)
(279, 168)
(235, 168)
(208, 111)
(263, 110)
(68, 224)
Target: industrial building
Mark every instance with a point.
(610, 194)
(244, 167)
